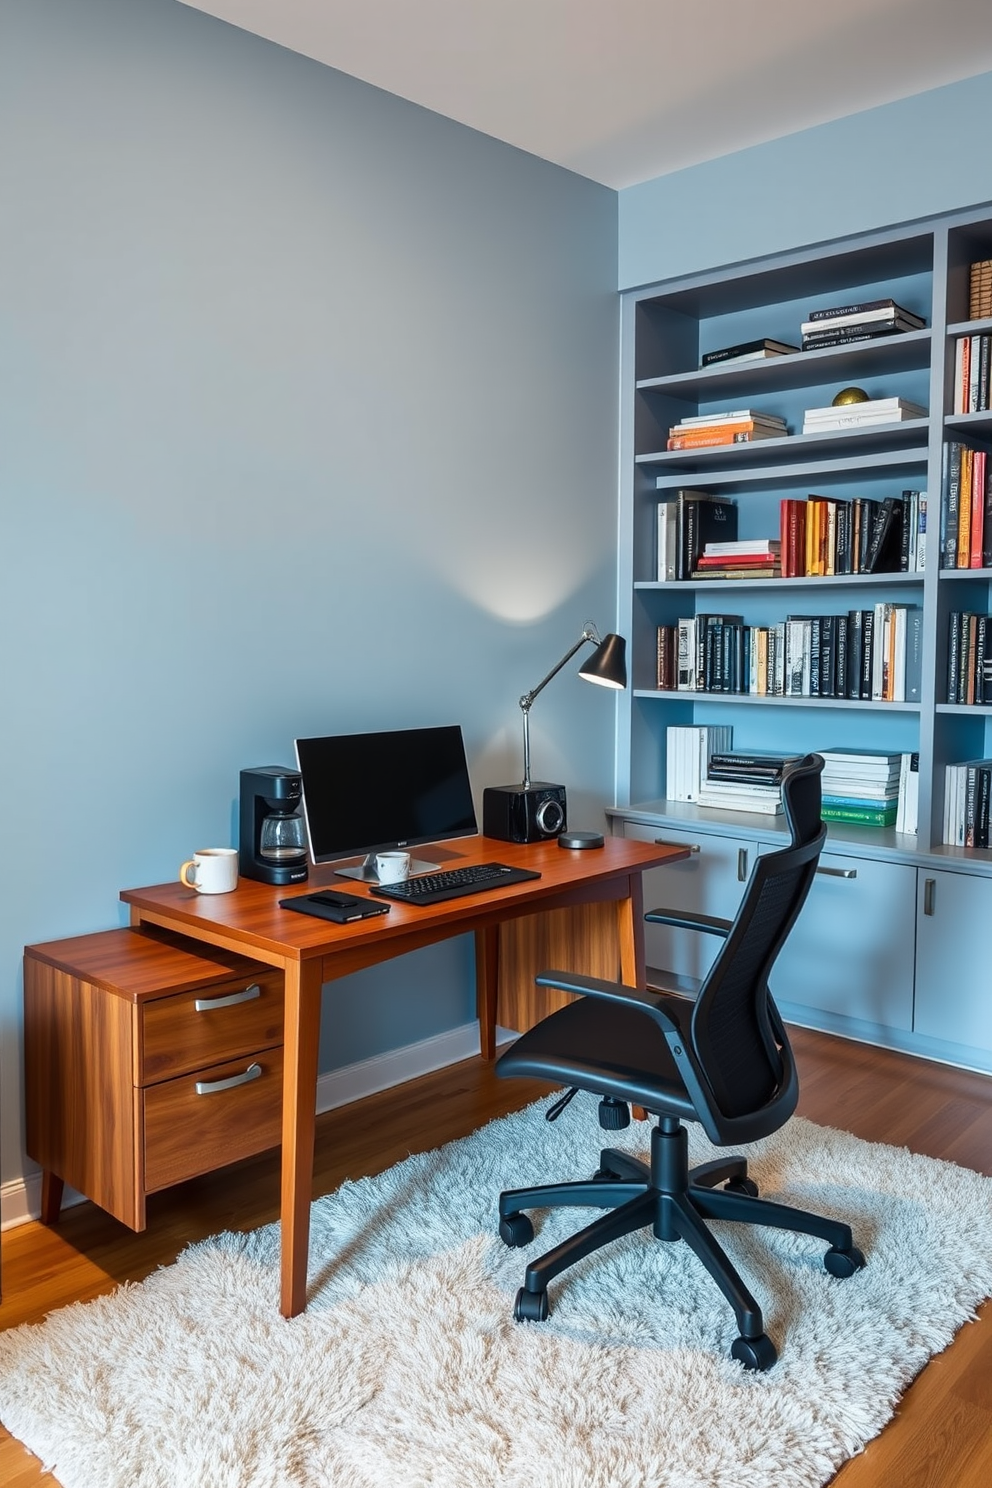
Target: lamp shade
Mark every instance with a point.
(608, 663)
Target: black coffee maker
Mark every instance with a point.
(273, 842)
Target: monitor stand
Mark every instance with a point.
(365, 870)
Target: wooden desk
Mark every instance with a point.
(311, 952)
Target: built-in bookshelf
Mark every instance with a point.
(676, 374)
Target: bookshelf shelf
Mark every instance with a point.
(755, 700)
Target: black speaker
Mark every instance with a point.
(515, 813)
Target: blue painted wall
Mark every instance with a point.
(913, 158)
(307, 424)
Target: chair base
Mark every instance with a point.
(675, 1201)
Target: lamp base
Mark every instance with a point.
(581, 839)
(517, 813)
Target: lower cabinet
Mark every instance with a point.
(710, 881)
(850, 952)
(953, 936)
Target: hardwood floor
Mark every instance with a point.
(942, 1430)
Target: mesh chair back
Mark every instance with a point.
(738, 1037)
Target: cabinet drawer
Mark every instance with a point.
(190, 1029)
(190, 1130)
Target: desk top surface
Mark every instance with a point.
(250, 918)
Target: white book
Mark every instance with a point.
(863, 317)
(667, 541)
(686, 656)
(921, 533)
(769, 806)
(867, 407)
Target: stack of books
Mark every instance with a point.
(860, 415)
(841, 324)
(966, 508)
(748, 351)
(687, 755)
(738, 781)
(860, 787)
(745, 558)
(967, 789)
(980, 289)
(732, 426)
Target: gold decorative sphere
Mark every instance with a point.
(850, 395)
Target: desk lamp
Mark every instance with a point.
(535, 809)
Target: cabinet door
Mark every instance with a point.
(710, 881)
(953, 995)
(851, 950)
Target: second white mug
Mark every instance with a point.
(392, 867)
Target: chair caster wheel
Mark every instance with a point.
(754, 1353)
(530, 1307)
(515, 1230)
(741, 1186)
(843, 1263)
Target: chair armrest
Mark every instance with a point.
(684, 919)
(632, 997)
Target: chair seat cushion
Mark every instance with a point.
(631, 1060)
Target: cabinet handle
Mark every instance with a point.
(206, 1004)
(742, 865)
(838, 872)
(211, 1087)
(663, 842)
(929, 895)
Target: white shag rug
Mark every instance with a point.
(407, 1370)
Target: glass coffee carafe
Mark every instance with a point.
(282, 839)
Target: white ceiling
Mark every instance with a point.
(623, 90)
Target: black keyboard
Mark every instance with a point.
(452, 883)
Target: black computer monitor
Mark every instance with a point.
(368, 793)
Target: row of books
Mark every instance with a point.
(971, 374)
(966, 508)
(819, 536)
(842, 324)
(871, 655)
(969, 657)
(822, 536)
(967, 792)
(688, 750)
(834, 326)
(732, 426)
(861, 415)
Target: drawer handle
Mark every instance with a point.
(206, 1004)
(211, 1087)
(838, 872)
(693, 846)
(929, 895)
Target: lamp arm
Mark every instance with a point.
(589, 636)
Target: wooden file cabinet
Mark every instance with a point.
(149, 1059)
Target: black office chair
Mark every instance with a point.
(722, 1059)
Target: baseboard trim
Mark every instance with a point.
(20, 1199)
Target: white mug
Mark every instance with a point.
(211, 870)
(392, 867)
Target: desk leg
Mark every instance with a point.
(630, 914)
(299, 1100)
(487, 988)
